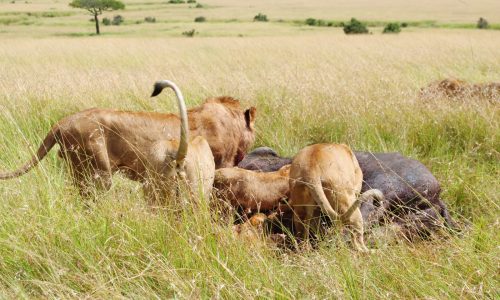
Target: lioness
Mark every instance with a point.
(100, 142)
(252, 190)
(328, 177)
(459, 89)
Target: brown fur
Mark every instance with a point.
(229, 131)
(143, 145)
(460, 89)
(327, 177)
(253, 232)
(160, 174)
(252, 190)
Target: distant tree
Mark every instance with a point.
(96, 7)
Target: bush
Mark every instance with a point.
(150, 19)
(392, 28)
(318, 22)
(105, 21)
(482, 24)
(191, 1)
(200, 19)
(260, 18)
(199, 5)
(311, 22)
(176, 1)
(117, 20)
(404, 24)
(355, 27)
(189, 33)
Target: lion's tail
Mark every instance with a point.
(47, 144)
(373, 193)
(320, 199)
(183, 143)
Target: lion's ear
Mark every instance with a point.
(250, 117)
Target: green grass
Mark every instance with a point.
(319, 86)
(52, 17)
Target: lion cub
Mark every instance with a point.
(251, 190)
(253, 232)
(327, 177)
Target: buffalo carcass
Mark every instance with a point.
(411, 191)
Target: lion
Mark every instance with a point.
(459, 89)
(254, 232)
(100, 142)
(250, 190)
(327, 177)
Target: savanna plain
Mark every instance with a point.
(309, 84)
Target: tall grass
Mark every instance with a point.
(362, 91)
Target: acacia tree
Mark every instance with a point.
(96, 7)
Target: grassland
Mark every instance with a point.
(43, 18)
(314, 85)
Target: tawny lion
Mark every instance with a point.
(251, 190)
(459, 89)
(327, 177)
(146, 146)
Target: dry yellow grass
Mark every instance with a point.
(173, 19)
(318, 86)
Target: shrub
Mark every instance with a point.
(189, 33)
(392, 28)
(117, 20)
(404, 24)
(355, 27)
(318, 22)
(191, 1)
(200, 19)
(105, 21)
(311, 22)
(482, 24)
(150, 19)
(260, 18)
(199, 5)
(176, 1)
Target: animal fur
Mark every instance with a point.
(250, 190)
(327, 177)
(459, 89)
(408, 186)
(147, 147)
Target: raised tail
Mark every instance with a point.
(371, 194)
(47, 144)
(366, 196)
(183, 143)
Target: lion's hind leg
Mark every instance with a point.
(90, 172)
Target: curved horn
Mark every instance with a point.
(183, 143)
